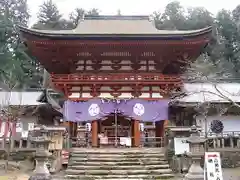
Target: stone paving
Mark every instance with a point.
(23, 176)
(228, 174)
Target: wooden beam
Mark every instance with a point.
(87, 98)
(110, 91)
(113, 43)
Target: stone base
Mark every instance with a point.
(40, 177)
(195, 172)
(194, 176)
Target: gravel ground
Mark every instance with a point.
(231, 174)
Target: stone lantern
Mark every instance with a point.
(196, 144)
(41, 142)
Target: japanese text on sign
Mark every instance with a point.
(213, 167)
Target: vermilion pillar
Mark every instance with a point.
(160, 131)
(158, 128)
(165, 124)
(162, 125)
(95, 133)
(136, 133)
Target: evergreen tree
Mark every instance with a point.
(50, 18)
(77, 15)
(49, 13)
(172, 18)
(93, 12)
(119, 12)
(224, 48)
(229, 38)
(14, 61)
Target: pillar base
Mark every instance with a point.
(40, 177)
(195, 172)
(41, 171)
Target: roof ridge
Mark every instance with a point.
(116, 17)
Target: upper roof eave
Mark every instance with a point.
(72, 33)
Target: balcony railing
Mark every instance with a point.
(126, 77)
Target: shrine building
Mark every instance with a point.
(117, 74)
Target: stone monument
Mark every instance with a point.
(41, 142)
(196, 144)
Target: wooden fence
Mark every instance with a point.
(226, 139)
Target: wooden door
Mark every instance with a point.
(114, 129)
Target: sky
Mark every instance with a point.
(129, 7)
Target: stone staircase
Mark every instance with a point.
(125, 163)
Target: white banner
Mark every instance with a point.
(19, 127)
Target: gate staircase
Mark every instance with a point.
(123, 163)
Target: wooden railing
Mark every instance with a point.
(113, 142)
(230, 139)
(127, 77)
(152, 142)
(16, 145)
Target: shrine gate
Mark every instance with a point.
(117, 72)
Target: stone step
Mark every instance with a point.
(118, 164)
(118, 172)
(122, 151)
(117, 155)
(121, 177)
(116, 167)
(115, 159)
(123, 163)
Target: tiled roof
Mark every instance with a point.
(119, 26)
(124, 25)
(19, 98)
(206, 92)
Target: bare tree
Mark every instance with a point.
(11, 115)
(206, 73)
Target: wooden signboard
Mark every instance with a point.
(181, 146)
(213, 168)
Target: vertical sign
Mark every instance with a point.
(19, 127)
(30, 126)
(141, 127)
(213, 168)
(88, 127)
